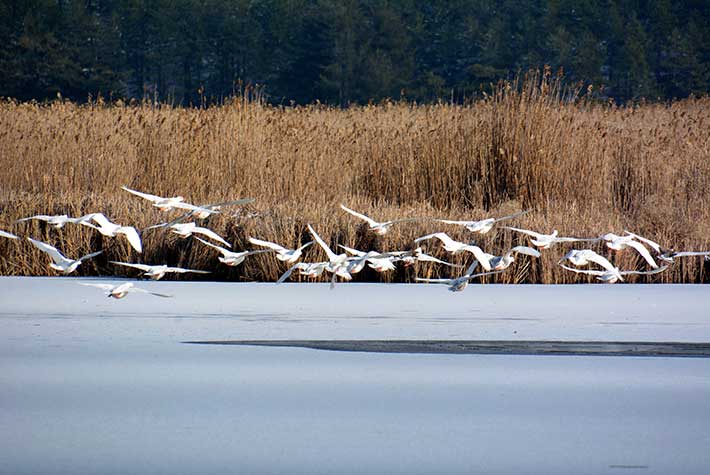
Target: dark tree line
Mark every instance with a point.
(343, 51)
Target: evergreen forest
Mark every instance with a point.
(340, 52)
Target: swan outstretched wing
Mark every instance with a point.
(451, 221)
(644, 272)
(471, 268)
(133, 237)
(41, 217)
(443, 237)
(369, 220)
(5, 234)
(147, 196)
(225, 252)
(271, 245)
(332, 257)
(210, 234)
(481, 274)
(585, 271)
(654, 245)
(56, 256)
(592, 256)
(180, 270)
(434, 281)
(480, 256)
(576, 239)
(144, 291)
(511, 216)
(89, 256)
(643, 251)
(534, 234)
(107, 287)
(352, 251)
(427, 258)
(402, 220)
(690, 253)
(287, 274)
(529, 251)
(300, 249)
(143, 267)
(98, 218)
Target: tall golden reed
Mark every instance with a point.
(581, 167)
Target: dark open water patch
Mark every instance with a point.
(488, 347)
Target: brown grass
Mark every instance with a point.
(582, 167)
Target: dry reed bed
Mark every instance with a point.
(582, 168)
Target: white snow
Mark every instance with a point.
(89, 384)
(223, 311)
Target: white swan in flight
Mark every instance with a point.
(457, 247)
(375, 226)
(619, 243)
(337, 263)
(288, 256)
(544, 241)
(5, 234)
(583, 257)
(58, 220)
(232, 258)
(163, 204)
(109, 229)
(157, 272)
(59, 262)
(188, 229)
(121, 290)
(459, 283)
(610, 276)
(482, 226)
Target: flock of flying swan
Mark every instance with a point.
(351, 261)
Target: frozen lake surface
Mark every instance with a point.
(93, 385)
